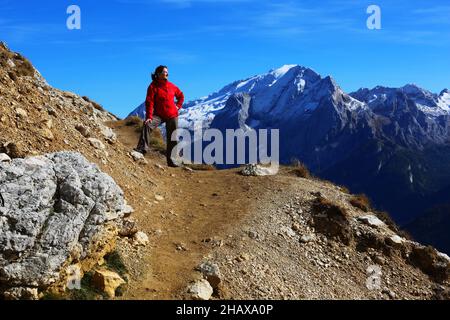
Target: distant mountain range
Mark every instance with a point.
(391, 143)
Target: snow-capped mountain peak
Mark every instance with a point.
(278, 73)
(431, 104)
(272, 91)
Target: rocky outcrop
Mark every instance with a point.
(58, 211)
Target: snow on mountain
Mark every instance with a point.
(266, 87)
(429, 103)
(444, 100)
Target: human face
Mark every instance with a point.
(164, 75)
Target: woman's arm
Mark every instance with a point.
(149, 103)
(180, 97)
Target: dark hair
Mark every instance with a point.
(158, 70)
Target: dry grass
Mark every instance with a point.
(133, 121)
(361, 201)
(157, 141)
(299, 169)
(22, 67)
(331, 219)
(321, 205)
(201, 167)
(136, 122)
(94, 104)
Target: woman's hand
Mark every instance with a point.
(147, 121)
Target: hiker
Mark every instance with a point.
(161, 108)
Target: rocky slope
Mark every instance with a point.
(307, 241)
(59, 210)
(259, 237)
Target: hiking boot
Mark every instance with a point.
(174, 165)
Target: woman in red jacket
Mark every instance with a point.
(161, 108)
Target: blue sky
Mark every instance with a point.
(208, 44)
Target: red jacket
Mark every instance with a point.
(160, 100)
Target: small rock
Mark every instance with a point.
(256, 170)
(108, 133)
(12, 149)
(4, 157)
(47, 134)
(128, 228)
(390, 293)
(21, 113)
(288, 232)
(201, 290)
(160, 167)
(211, 273)
(243, 257)
(11, 63)
(159, 198)
(96, 143)
(379, 260)
(371, 220)
(107, 281)
(85, 132)
(395, 240)
(181, 246)
(252, 235)
(127, 210)
(140, 239)
(317, 194)
(51, 111)
(296, 227)
(137, 155)
(444, 256)
(48, 123)
(307, 238)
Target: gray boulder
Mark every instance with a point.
(57, 210)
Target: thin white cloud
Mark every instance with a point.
(184, 3)
(432, 15)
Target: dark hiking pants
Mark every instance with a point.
(144, 139)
